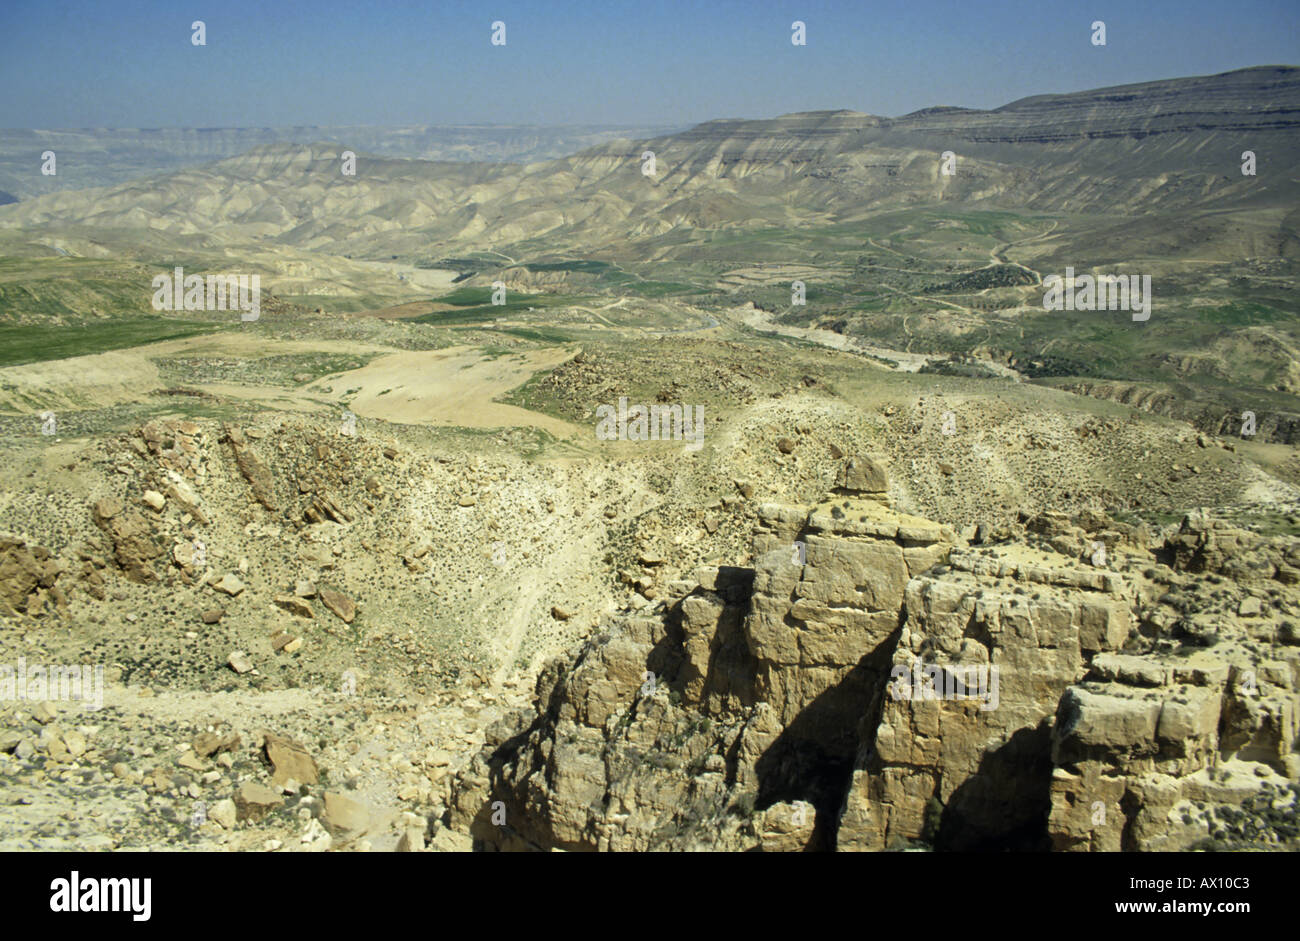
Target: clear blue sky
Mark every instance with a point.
(129, 63)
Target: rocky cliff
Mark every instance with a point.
(875, 681)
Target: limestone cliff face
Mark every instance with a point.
(1161, 753)
(983, 761)
(872, 683)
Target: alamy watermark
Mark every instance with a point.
(653, 423)
(931, 681)
(1104, 292)
(57, 682)
(217, 292)
(103, 894)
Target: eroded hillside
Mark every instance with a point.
(725, 489)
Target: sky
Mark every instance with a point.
(131, 63)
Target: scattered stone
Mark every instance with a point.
(183, 554)
(184, 496)
(239, 662)
(208, 744)
(345, 817)
(230, 584)
(339, 604)
(76, 743)
(224, 813)
(289, 759)
(325, 506)
(294, 605)
(254, 801)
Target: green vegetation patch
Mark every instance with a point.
(540, 334)
(475, 306)
(662, 288)
(39, 343)
(1242, 314)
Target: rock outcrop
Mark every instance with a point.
(135, 544)
(753, 684)
(254, 469)
(873, 683)
(28, 578)
(981, 757)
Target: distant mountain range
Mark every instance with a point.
(1113, 153)
(104, 156)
